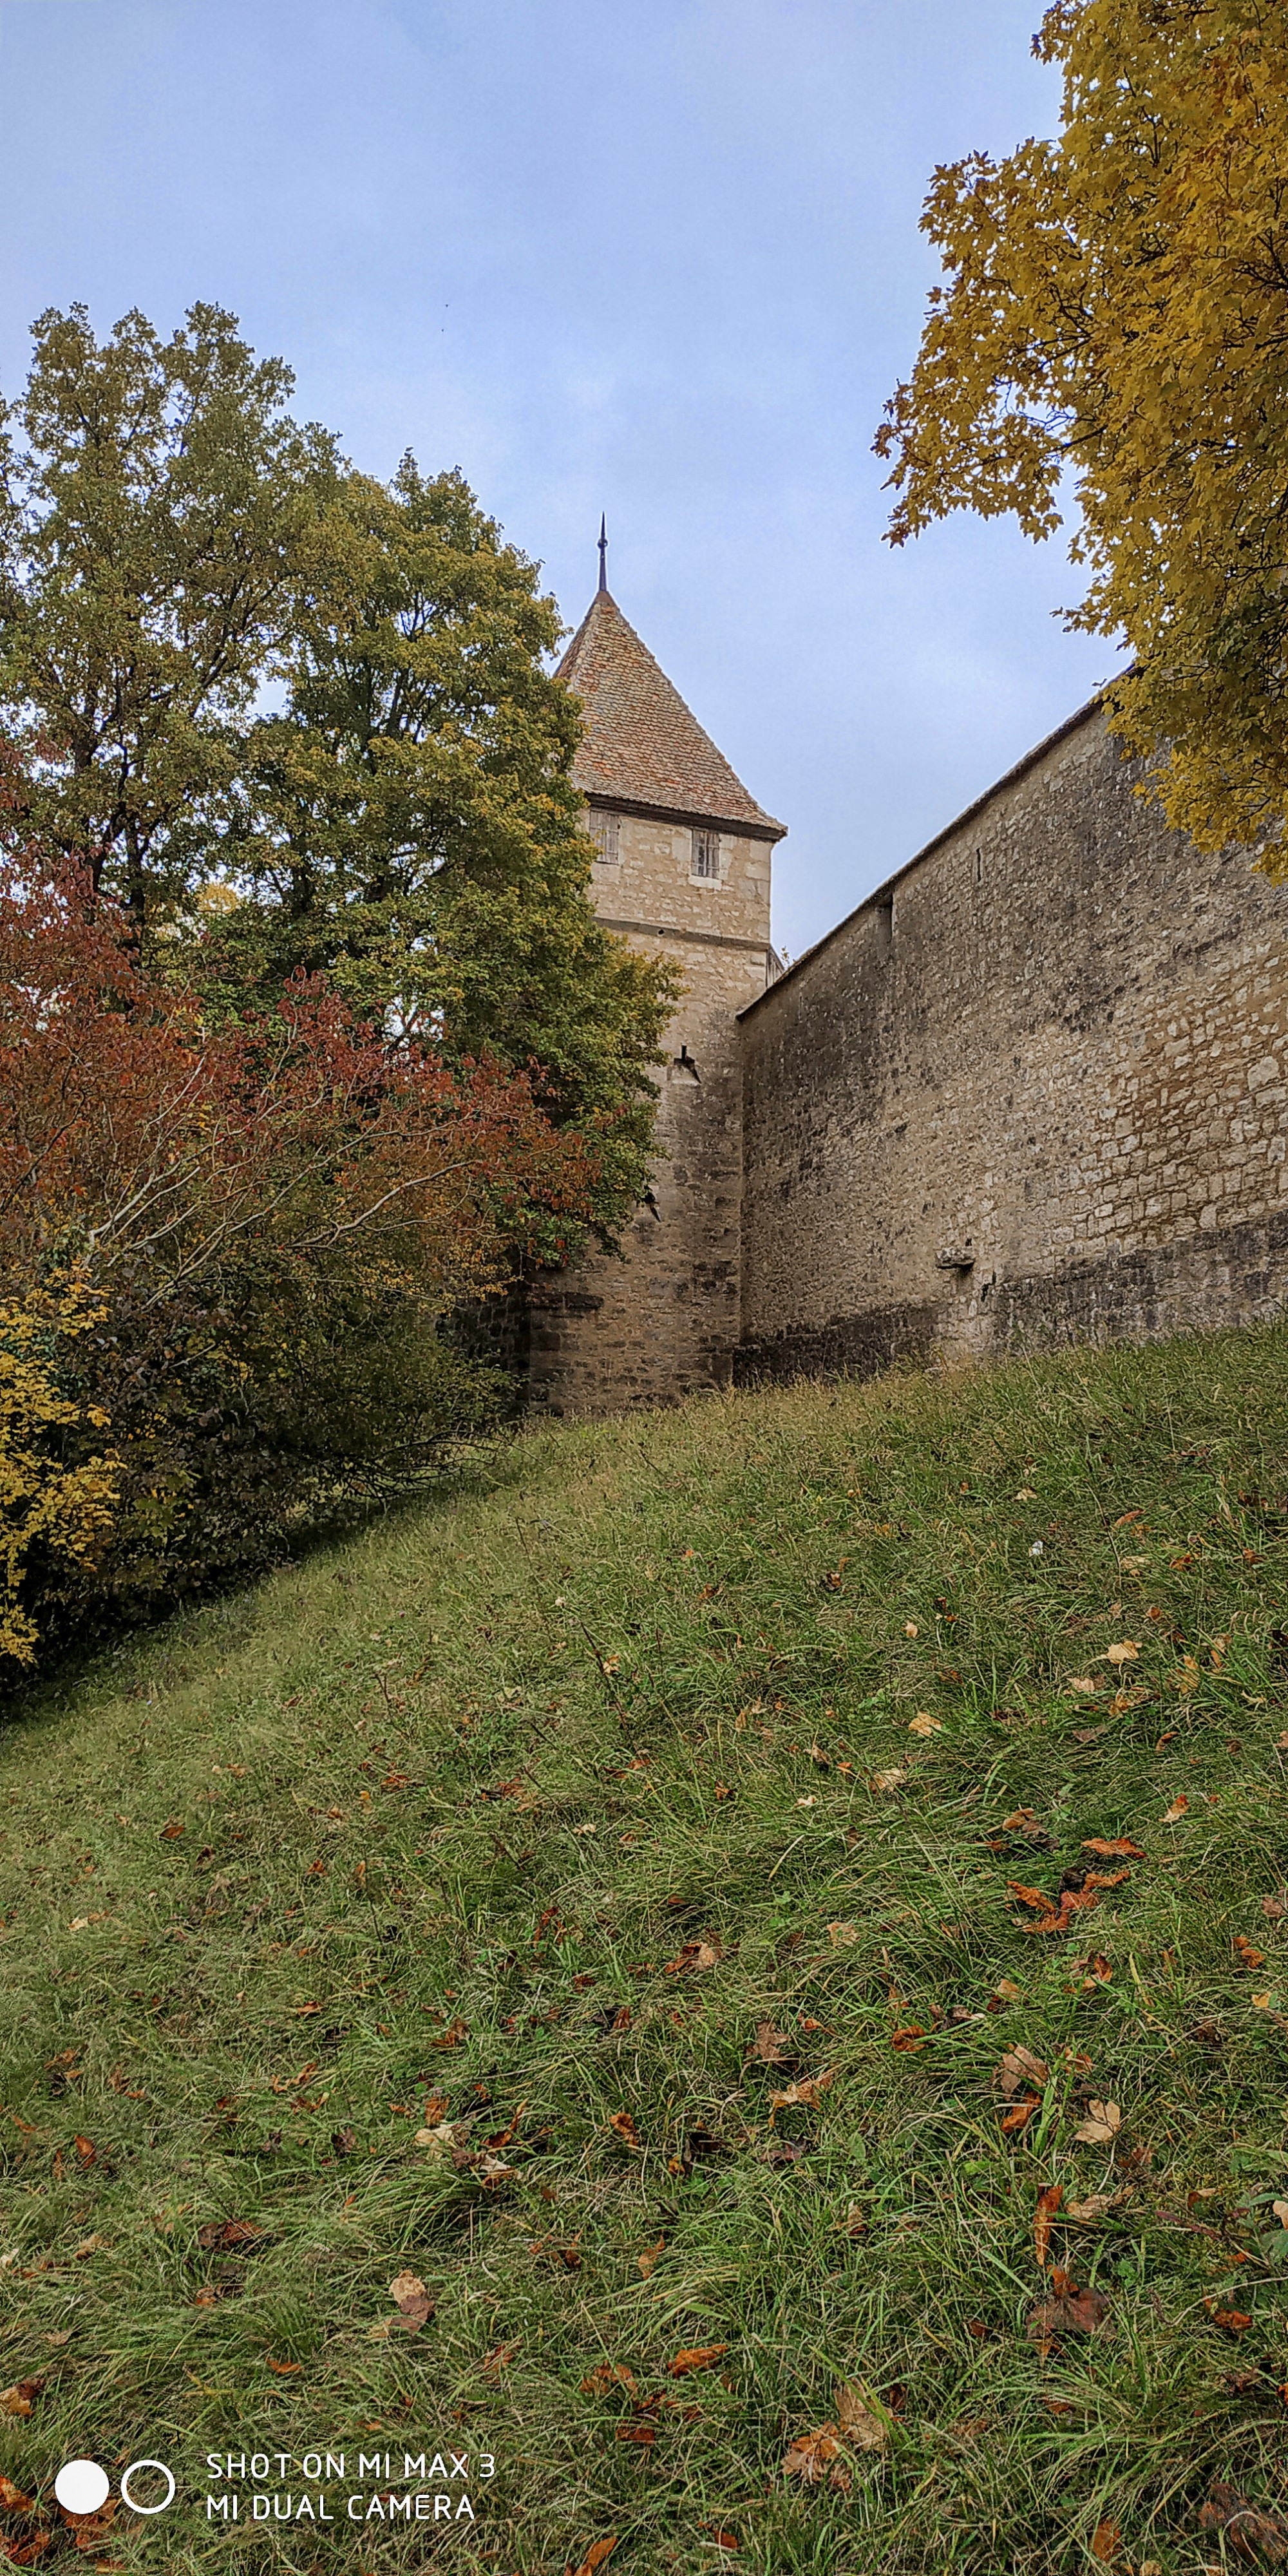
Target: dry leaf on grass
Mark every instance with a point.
(598, 2551)
(608, 2375)
(12, 2499)
(1121, 1847)
(497, 2360)
(1044, 2219)
(648, 2259)
(1232, 2321)
(1250, 2532)
(24, 2553)
(804, 2095)
(1019, 2116)
(1097, 2202)
(1069, 2310)
(924, 1724)
(1101, 2126)
(230, 2231)
(696, 2357)
(20, 2399)
(857, 2420)
(1023, 1821)
(1275, 1907)
(1124, 1653)
(842, 1937)
(892, 1779)
(1106, 2541)
(773, 2047)
(1018, 2066)
(1177, 1809)
(284, 2369)
(908, 2039)
(623, 2127)
(412, 2300)
(1247, 1956)
(817, 2458)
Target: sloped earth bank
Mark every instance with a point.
(736, 1964)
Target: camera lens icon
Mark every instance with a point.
(81, 2486)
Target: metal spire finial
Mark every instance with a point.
(603, 552)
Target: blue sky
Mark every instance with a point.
(658, 257)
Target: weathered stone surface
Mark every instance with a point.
(645, 1328)
(1054, 1046)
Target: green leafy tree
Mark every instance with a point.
(172, 543)
(153, 498)
(1116, 310)
(411, 826)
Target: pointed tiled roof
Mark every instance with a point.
(642, 746)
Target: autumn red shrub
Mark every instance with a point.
(274, 1216)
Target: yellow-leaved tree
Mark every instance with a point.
(46, 1507)
(1116, 312)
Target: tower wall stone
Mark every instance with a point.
(646, 1327)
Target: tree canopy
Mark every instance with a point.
(1116, 313)
(297, 720)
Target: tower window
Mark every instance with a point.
(602, 827)
(705, 861)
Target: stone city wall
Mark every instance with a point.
(1052, 1049)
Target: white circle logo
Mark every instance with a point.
(81, 2486)
(127, 2498)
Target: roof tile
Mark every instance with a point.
(642, 746)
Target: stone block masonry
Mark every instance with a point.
(1035, 1088)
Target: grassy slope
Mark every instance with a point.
(450, 1800)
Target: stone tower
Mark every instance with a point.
(683, 871)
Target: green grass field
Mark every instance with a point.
(452, 1909)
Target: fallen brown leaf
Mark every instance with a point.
(1068, 2311)
(696, 2357)
(1044, 2217)
(803, 2095)
(1019, 2066)
(283, 2368)
(24, 2553)
(816, 2457)
(455, 2032)
(1248, 1957)
(773, 2047)
(1023, 1821)
(412, 2300)
(1097, 2202)
(648, 2259)
(1250, 2532)
(857, 2420)
(499, 2359)
(1019, 2117)
(1106, 2541)
(1177, 1809)
(12, 2499)
(623, 2127)
(608, 2375)
(20, 2399)
(1101, 2126)
(908, 2039)
(1232, 2321)
(1120, 1848)
(229, 2231)
(598, 2551)
(1274, 1908)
